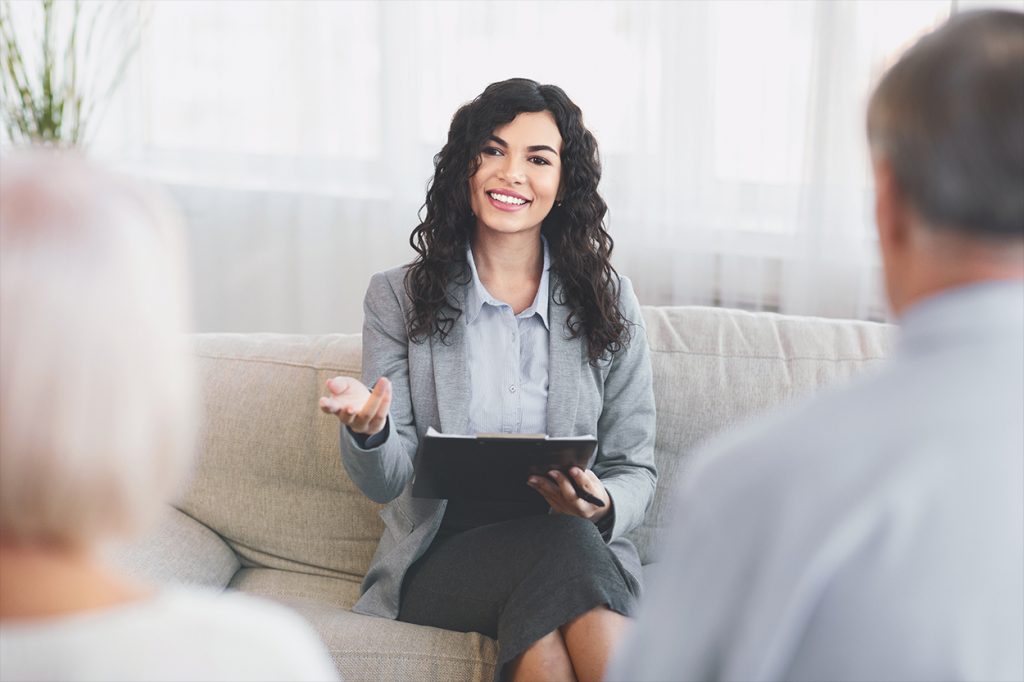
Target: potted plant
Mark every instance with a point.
(55, 80)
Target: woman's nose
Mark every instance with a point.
(512, 170)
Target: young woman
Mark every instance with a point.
(511, 319)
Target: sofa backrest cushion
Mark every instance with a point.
(268, 476)
(714, 367)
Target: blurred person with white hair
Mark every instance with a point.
(96, 435)
(877, 532)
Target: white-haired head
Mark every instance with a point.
(96, 385)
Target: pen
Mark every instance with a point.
(584, 495)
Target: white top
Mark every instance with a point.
(873, 533)
(179, 634)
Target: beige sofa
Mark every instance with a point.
(271, 511)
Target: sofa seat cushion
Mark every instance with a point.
(268, 582)
(369, 648)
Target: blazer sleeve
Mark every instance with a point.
(625, 462)
(382, 465)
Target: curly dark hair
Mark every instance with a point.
(580, 246)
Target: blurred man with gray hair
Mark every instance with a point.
(877, 533)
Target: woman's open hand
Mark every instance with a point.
(357, 408)
(559, 493)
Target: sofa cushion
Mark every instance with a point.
(284, 585)
(369, 648)
(268, 477)
(714, 367)
(178, 549)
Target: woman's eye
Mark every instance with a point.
(540, 161)
(491, 151)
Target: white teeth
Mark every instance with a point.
(505, 199)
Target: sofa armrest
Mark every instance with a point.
(179, 550)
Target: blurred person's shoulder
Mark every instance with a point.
(902, 440)
(179, 633)
(275, 642)
(862, 511)
(946, 406)
(262, 618)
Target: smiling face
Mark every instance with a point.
(517, 182)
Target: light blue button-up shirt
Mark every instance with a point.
(508, 359)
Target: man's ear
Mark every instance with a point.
(892, 215)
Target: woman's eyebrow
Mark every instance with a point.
(531, 148)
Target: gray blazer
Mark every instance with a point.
(614, 401)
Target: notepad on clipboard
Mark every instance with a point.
(494, 467)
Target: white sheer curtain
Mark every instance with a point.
(298, 137)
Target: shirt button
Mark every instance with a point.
(511, 389)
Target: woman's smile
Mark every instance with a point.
(507, 200)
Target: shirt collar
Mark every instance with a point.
(478, 296)
(987, 310)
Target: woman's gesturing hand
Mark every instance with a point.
(357, 408)
(559, 493)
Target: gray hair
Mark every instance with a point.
(949, 119)
(96, 384)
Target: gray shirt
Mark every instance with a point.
(876, 533)
(508, 359)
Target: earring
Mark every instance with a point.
(558, 204)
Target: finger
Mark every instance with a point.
(361, 418)
(329, 405)
(549, 491)
(594, 483)
(566, 489)
(373, 402)
(342, 412)
(380, 417)
(544, 485)
(339, 385)
(332, 405)
(376, 404)
(385, 397)
(589, 483)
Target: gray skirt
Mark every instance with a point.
(516, 581)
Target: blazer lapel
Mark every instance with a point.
(451, 371)
(565, 362)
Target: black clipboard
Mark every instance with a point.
(493, 467)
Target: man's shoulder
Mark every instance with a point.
(909, 415)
